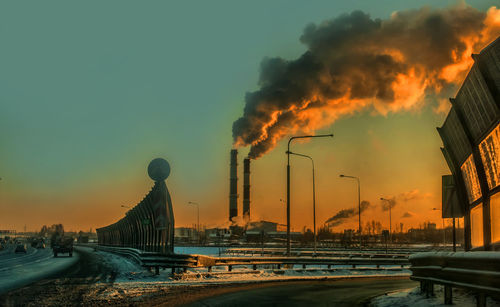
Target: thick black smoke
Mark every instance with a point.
(344, 214)
(355, 61)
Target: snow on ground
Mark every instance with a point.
(413, 297)
(136, 281)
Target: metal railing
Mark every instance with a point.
(475, 271)
(177, 261)
(343, 253)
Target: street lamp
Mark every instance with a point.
(390, 216)
(444, 231)
(313, 196)
(288, 245)
(359, 204)
(197, 225)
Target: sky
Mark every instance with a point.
(91, 92)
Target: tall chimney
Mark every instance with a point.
(233, 185)
(246, 189)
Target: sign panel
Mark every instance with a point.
(450, 203)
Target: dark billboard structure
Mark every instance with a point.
(471, 139)
(451, 206)
(148, 226)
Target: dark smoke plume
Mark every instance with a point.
(404, 197)
(407, 215)
(344, 214)
(354, 62)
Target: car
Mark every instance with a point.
(21, 248)
(40, 245)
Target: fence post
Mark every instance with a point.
(429, 289)
(481, 300)
(448, 295)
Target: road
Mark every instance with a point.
(18, 269)
(356, 292)
(9, 259)
(66, 287)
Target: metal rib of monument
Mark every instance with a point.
(149, 225)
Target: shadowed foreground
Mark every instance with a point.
(356, 292)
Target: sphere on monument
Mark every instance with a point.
(159, 169)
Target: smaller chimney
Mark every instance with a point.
(246, 189)
(233, 185)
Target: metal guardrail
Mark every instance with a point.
(178, 261)
(277, 252)
(475, 271)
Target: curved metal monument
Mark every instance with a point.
(148, 226)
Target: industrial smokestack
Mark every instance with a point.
(233, 185)
(246, 189)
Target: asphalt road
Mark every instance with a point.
(9, 259)
(19, 269)
(355, 292)
(67, 287)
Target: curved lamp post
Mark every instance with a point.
(390, 217)
(359, 204)
(444, 231)
(198, 221)
(313, 196)
(288, 245)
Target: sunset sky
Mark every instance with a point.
(91, 92)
